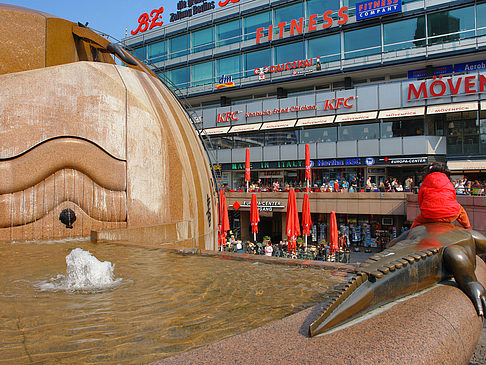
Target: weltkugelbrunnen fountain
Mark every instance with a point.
(92, 148)
(100, 166)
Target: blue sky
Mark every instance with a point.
(109, 16)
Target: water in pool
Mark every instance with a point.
(109, 303)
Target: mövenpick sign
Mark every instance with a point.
(440, 86)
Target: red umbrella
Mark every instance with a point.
(254, 216)
(247, 168)
(223, 218)
(293, 226)
(307, 166)
(333, 232)
(306, 218)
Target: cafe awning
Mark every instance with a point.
(400, 113)
(354, 117)
(280, 124)
(305, 122)
(464, 165)
(245, 128)
(452, 108)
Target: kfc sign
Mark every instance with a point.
(333, 104)
(227, 117)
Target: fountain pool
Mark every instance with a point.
(158, 303)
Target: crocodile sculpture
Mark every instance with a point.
(417, 259)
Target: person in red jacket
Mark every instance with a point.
(437, 199)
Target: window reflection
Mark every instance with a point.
(245, 140)
(459, 22)
(402, 127)
(362, 42)
(228, 33)
(202, 40)
(327, 48)
(178, 46)
(253, 22)
(202, 73)
(404, 34)
(255, 60)
(286, 14)
(281, 137)
(157, 51)
(315, 135)
(359, 132)
(289, 52)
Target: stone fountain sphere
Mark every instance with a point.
(110, 142)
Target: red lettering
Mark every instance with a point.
(329, 104)
(439, 83)
(259, 34)
(225, 2)
(339, 102)
(454, 89)
(312, 22)
(300, 64)
(468, 84)
(273, 68)
(233, 115)
(360, 7)
(225, 117)
(422, 90)
(482, 82)
(281, 27)
(327, 19)
(142, 24)
(294, 26)
(346, 102)
(376, 4)
(343, 15)
(155, 14)
(270, 32)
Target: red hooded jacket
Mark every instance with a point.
(437, 197)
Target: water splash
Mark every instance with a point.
(84, 273)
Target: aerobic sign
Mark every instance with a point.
(370, 9)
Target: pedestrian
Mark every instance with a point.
(268, 249)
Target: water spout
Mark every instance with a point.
(84, 273)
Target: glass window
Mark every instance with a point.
(257, 59)
(481, 18)
(229, 66)
(313, 135)
(451, 25)
(202, 40)
(321, 6)
(362, 42)
(249, 140)
(178, 46)
(281, 137)
(403, 34)
(179, 76)
(253, 22)
(220, 142)
(327, 48)
(402, 127)
(157, 51)
(285, 14)
(351, 4)
(202, 73)
(359, 132)
(289, 52)
(140, 52)
(228, 33)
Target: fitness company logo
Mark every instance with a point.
(370, 9)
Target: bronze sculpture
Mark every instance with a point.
(417, 259)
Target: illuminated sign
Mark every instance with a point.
(470, 66)
(266, 206)
(188, 8)
(146, 22)
(370, 9)
(225, 81)
(440, 87)
(297, 25)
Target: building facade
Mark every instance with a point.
(378, 89)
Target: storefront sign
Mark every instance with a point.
(245, 128)
(188, 8)
(332, 104)
(446, 86)
(227, 117)
(322, 163)
(370, 9)
(452, 108)
(402, 160)
(470, 66)
(147, 22)
(401, 113)
(433, 71)
(264, 206)
(355, 116)
(284, 66)
(279, 124)
(297, 26)
(305, 122)
(225, 81)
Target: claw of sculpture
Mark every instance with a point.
(414, 261)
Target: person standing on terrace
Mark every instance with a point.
(437, 199)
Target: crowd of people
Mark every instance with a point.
(462, 186)
(322, 251)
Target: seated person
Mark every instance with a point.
(437, 199)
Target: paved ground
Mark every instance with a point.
(479, 355)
